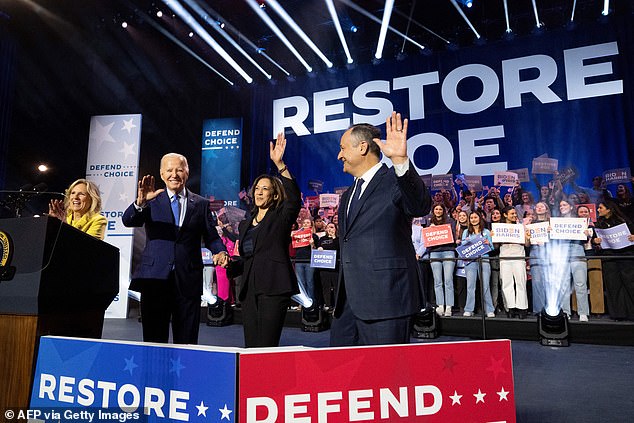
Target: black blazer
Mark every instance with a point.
(270, 265)
(378, 261)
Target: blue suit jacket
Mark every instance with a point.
(378, 261)
(169, 247)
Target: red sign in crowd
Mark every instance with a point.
(437, 235)
(301, 238)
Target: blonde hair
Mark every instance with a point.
(93, 191)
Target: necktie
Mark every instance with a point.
(355, 195)
(176, 209)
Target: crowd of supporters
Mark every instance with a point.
(512, 279)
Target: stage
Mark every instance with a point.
(598, 330)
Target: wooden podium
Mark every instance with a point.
(54, 280)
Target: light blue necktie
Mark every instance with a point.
(176, 209)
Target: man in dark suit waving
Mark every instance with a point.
(170, 273)
(379, 285)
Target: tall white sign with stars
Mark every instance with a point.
(113, 164)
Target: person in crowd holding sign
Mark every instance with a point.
(475, 269)
(577, 265)
(460, 282)
(442, 263)
(268, 278)
(81, 208)
(328, 277)
(618, 274)
(305, 273)
(170, 274)
(513, 271)
(527, 204)
(537, 256)
(624, 200)
(496, 217)
(595, 273)
(379, 287)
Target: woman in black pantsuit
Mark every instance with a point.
(618, 274)
(268, 279)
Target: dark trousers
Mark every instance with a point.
(618, 279)
(263, 319)
(161, 302)
(348, 330)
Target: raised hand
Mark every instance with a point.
(277, 150)
(56, 209)
(146, 190)
(395, 145)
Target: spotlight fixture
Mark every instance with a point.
(354, 28)
(467, 3)
(553, 330)
(315, 319)
(159, 14)
(424, 324)
(124, 24)
(191, 34)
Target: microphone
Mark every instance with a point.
(40, 188)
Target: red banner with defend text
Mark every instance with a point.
(440, 382)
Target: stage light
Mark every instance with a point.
(425, 324)
(218, 26)
(314, 319)
(335, 19)
(467, 3)
(179, 43)
(553, 330)
(124, 24)
(159, 14)
(193, 24)
(354, 28)
(191, 34)
(377, 20)
(538, 24)
(42, 168)
(290, 22)
(506, 17)
(464, 17)
(269, 22)
(385, 22)
(606, 7)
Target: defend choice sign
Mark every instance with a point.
(301, 238)
(325, 259)
(437, 235)
(568, 228)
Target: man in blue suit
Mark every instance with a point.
(379, 285)
(170, 273)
